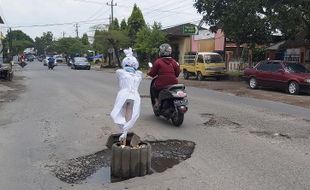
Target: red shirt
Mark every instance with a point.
(167, 70)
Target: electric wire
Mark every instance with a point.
(57, 24)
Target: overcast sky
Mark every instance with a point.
(87, 13)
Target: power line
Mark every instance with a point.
(89, 1)
(57, 24)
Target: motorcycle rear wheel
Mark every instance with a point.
(177, 120)
(156, 112)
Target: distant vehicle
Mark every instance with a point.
(80, 63)
(30, 57)
(40, 58)
(45, 61)
(59, 59)
(96, 59)
(203, 64)
(292, 77)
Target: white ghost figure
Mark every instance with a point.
(126, 109)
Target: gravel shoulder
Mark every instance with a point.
(240, 88)
(10, 90)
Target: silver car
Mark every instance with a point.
(80, 63)
(59, 59)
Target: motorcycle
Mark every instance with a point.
(173, 102)
(22, 63)
(50, 65)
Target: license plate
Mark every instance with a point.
(180, 102)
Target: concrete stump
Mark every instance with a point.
(128, 162)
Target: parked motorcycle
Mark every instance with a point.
(173, 102)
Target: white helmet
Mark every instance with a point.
(130, 60)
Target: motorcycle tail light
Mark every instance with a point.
(183, 109)
(181, 94)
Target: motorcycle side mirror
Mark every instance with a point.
(150, 65)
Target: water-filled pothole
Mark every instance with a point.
(95, 168)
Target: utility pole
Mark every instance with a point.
(112, 5)
(77, 29)
(63, 34)
(10, 53)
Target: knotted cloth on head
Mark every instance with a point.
(130, 60)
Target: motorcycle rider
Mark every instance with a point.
(166, 69)
(50, 63)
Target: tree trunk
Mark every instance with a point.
(110, 59)
(117, 57)
(250, 57)
(238, 50)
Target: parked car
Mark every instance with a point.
(30, 57)
(203, 64)
(80, 63)
(59, 59)
(45, 61)
(292, 77)
(41, 58)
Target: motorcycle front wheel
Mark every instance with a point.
(177, 120)
(156, 112)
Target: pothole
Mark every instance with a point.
(307, 120)
(78, 169)
(95, 168)
(215, 121)
(268, 134)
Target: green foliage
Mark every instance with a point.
(19, 40)
(259, 54)
(84, 40)
(123, 25)
(135, 23)
(42, 43)
(114, 25)
(115, 39)
(241, 20)
(254, 21)
(148, 42)
(69, 46)
(290, 16)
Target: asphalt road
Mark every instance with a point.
(241, 143)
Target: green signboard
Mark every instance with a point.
(190, 30)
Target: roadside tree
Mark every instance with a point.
(289, 17)
(112, 39)
(147, 43)
(135, 23)
(123, 26)
(19, 42)
(42, 44)
(242, 21)
(84, 40)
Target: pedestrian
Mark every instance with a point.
(126, 109)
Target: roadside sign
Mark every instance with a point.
(190, 30)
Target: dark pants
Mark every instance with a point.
(154, 92)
